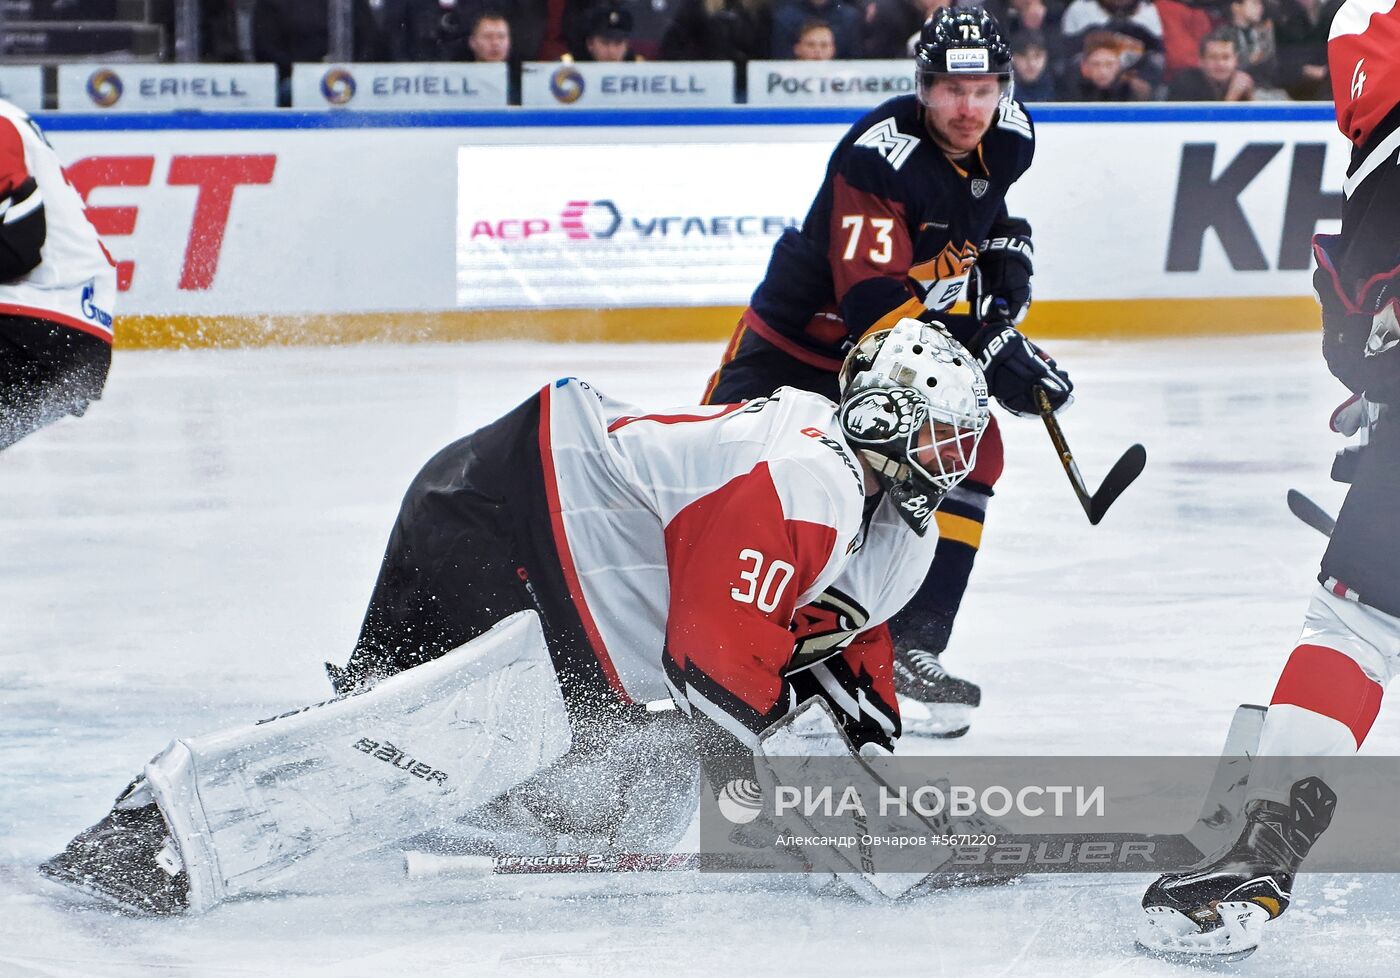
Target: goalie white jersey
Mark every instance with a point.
(700, 545)
(74, 282)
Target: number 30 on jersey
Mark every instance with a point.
(763, 581)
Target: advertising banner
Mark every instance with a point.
(409, 85)
(23, 85)
(858, 83)
(130, 87)
(628, 84)
(624, 225)
(1142, 225)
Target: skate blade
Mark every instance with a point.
(1169, 934)
(945, 720)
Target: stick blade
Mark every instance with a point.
(1119, 478)
(1310, 513)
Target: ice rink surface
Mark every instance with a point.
(186, 556)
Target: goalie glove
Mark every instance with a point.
(1015, 368)
(1000, 289)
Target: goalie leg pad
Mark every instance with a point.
(253, 806)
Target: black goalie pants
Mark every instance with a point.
(473, 543)
(47, 372)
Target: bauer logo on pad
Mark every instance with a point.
(968, 59)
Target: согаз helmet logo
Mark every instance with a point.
(104, 87)
(566, 84)
(740, 801)
(338, 86)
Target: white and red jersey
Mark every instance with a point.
(75, 282)
(699, 544)
(1363, 56)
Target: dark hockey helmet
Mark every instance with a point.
(914, 406)
(961, 41)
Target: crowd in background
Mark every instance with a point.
(1080, 51)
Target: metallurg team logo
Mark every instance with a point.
(952, 262)
(338, 86)
(740, 801)
(104, 87)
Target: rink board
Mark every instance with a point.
(256, 228)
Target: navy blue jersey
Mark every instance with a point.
(894, 231)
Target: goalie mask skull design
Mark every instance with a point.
(914, 406)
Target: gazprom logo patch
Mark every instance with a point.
(968, 59)
(91, 310)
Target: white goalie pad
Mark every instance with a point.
(799, 741)
(251, 807)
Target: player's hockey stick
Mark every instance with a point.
(1011, 856)
(1119, 478)
(1310, 513)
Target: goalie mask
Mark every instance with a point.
(914, 406)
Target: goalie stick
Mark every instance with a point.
(1310, 513)
(1128, 467)
(1053, 850)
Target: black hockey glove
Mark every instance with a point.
(1000, 288)
(1360, 333)
(1016, 368)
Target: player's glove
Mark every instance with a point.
(1016, 368)
(1000, 288)
(1360, 332)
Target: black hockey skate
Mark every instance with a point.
(942, 703)
(128, 859)
(1218, 913)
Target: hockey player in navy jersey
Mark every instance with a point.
(1330, 689)
(911, 216)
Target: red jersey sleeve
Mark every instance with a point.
(738, 564)
(13, 171)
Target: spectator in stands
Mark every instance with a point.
(489, 40)
(286, 32)
(843, 19)
(1030, 58)
(719, 30)
(1184, 29)
(608, 35)
(1219, 78)
(1099, 75)
(815, 42)
(581, 17)
(889, 24)
(1254, 39)
(450, 24)
(1035, 16)
(1084, 15)
(1138, 28)
(1301, 35)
